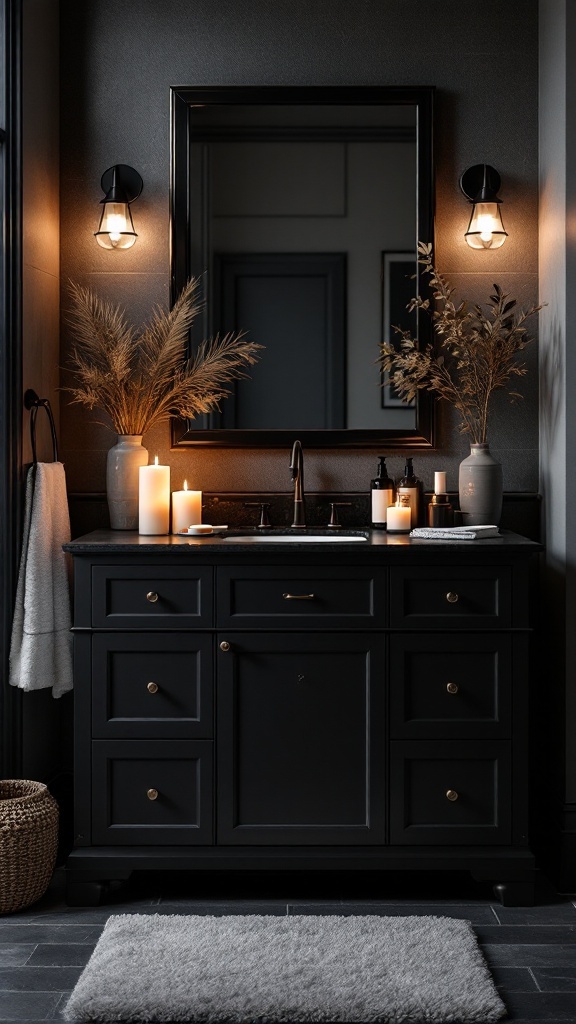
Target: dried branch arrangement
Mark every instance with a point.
(140, 379)
(474, 352)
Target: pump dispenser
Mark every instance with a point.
(411, 486)
(383, 493)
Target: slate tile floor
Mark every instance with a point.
(531, 951)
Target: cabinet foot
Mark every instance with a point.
(85, 894)
(90, 892)
(515, 894)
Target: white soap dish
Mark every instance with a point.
(202, 530)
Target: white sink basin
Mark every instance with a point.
(295, 538)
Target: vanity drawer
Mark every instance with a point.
(456, 792)
(158, 597)
(433, 597)
(153, 685)
(313, 597)
(152, 792)
(450, 685)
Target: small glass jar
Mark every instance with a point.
(440, 512)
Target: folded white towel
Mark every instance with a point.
(455, 532)
(41, 648)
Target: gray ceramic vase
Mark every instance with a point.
(480, 488)
(122, 478)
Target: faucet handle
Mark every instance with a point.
(334, 523)
(264, 523)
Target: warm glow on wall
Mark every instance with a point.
(121, 185)
(480, 185)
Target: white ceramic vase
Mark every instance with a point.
(480, 488)
(124, 461)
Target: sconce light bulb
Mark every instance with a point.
(486, 230)
(480, 185)
(121, 186)
(486, 226)
(185, 485)
(116, 230)
(115, 225)
(155, 460)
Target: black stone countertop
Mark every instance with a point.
(120, 542)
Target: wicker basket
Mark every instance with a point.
(28, 842)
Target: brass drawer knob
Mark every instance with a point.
(152, 687)
(225, 646)
(451, 597)
(152, 596)
(451, 794)
(152, 794)
(452, 687)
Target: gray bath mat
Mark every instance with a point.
(291, 969)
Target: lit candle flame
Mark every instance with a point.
(155, 460)
(185, 485)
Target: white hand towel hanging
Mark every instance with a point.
(41, 648)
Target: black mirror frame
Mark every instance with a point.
(185, 97)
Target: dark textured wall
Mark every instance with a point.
(119, 60)
(41, 214)
(45, 728)
(558, 417)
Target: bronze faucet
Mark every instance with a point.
(297, 470)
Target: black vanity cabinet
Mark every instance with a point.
(353, 706)
(301, 752)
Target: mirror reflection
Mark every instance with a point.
(305, 217)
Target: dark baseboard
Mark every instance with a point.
(554, 843)
(61, 786)
(566, 880)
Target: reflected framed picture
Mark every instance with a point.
(398, 288)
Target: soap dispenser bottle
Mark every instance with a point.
(383, 494)
(411, 487)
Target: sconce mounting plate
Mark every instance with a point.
(478, 177)
(126, 178)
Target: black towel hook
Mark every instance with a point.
(33, 403)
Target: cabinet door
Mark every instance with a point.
(453, 791)
(301, 739)
(152, 685)
(450, 685)
(152, 792)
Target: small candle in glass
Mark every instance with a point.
(399, 516)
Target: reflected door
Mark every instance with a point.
(294, 304)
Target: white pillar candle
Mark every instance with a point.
(440, 483)
(154, 499)
(186, 509)
(399, 518)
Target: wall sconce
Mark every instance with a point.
(480, 185)
(121, 186)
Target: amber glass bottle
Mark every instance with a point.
(411, 486)
(383, 494)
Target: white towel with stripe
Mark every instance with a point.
(455, 532)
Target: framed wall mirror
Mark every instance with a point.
(301, 209)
